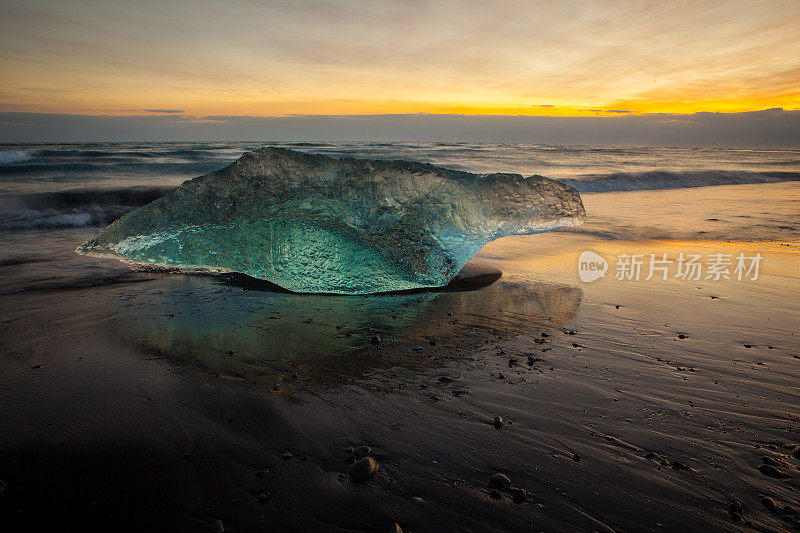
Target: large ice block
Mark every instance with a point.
(312, 223)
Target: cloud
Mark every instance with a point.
(769, 128)
(163, 111)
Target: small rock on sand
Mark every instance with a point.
(362, 451)
(498, 422)
(576, 457)
(264, 498)
(771, 471)
(416, 500)
(363, 469)
(217, 527)
(395, 528)
(796, 452)
(768, 503)
(519, 495)
(375, 339)
(500, 481)
(286, 455)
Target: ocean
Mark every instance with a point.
(50, 186)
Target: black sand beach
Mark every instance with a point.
(134, 401)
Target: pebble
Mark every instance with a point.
(363, 469)
(261, 473)
(771, 471)
(416, 500)
(682, 336)
(395, 528)
(263, 498)
(677, 465)
(286, 455)
(796, 452)
(576, 458)
(362, 451)
(519, 495)
(375, 339)
(500, 481)
(769, 503)
(217, 527)
(498, 422)
(735, 507)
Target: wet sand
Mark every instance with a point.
(135, 401)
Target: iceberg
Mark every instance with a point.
(313, 223)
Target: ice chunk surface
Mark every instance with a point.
(312, 223)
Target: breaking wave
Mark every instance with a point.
(70, 209)
(14, 156)
(657, 179)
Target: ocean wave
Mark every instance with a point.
(70, 209)
(658, 179)
(14, 156)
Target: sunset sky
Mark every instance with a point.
(277, 58)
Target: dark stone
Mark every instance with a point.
(375, 339)
(519, 495)
(677, 465)
(362, 451)
(264, 497)
(499, 481)
(576, 458)
(286, 455)
(771, 471)
(769, 504)
(498, 422)
(363, 469)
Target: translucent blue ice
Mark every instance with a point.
(312, 223)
